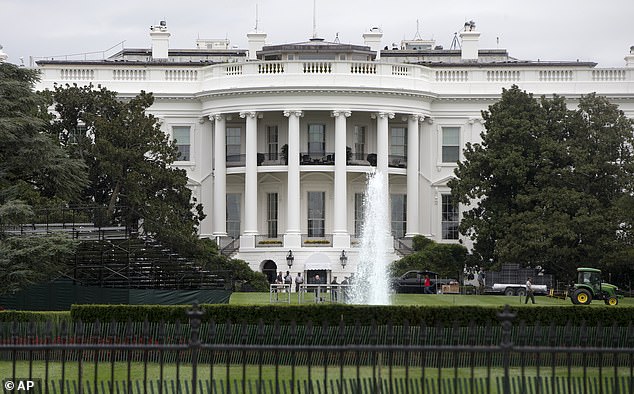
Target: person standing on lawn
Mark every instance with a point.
(529, 291)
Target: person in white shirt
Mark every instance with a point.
(529, 291)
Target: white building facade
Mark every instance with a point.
(278, 140)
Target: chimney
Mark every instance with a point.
(160, 41)
(3, 56)
(629, 59)
(470, 39)
(372, 39)
(256, 41)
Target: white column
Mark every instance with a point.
(250, 180)
(292, 237)
(220, 177)
(382, 141)
(206, 172)
(341, 237)
(382, 150)
(412, 175)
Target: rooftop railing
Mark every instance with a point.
(196, 78)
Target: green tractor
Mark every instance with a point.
(589, 287)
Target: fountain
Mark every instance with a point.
(370, 284)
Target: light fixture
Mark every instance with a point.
(343, 258)
(290, 258)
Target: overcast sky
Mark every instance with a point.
(588, 30)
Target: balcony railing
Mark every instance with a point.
(397, 161)
(323, 158)
(362, 159)
(236, 160)
(264, 241)
(195, 78)
(310, 241)
(271, 159)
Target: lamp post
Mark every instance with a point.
(343, 259)
(289, 259)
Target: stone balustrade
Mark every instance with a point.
(352, 74)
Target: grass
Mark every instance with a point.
(429, 300)
(119, 373)
(152, 371)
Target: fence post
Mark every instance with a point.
(506, 345)
(194, 315)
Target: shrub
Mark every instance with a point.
(364, 314)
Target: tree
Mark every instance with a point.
(447, 260)
(543, 187)
(129, 159)
(34, 173)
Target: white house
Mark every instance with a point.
(277, 140)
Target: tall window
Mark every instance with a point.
(271, 216)
(359, 142)
(450, 218)
(233, 144)
(233, 215)
(316, 139)
(272, 142)
(450, 144)
(358, 214)
(316, 214)
(180, 135)
(399, 215)
(75, 135)
(398, 146)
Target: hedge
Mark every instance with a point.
(26, 316)
(365, 314)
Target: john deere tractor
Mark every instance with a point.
(589, 286)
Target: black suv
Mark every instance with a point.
(414, 282)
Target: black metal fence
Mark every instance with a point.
(213, 357)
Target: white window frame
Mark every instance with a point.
(191, 145)
(439, 160)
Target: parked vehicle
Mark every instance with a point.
(511, 280)
(414, 282)
(589, 286)
(511, 289)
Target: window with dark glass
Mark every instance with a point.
(233, 215)
(450, 218)
(272, 142)
(359, 142)
(316, 140)
(75, 135)
(399, 215)
(316, 214)
(233, 144)
(271, 219)
(358, 214)
(450, 144)
(398, 146)
(180, 135)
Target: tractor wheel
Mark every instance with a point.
(521, 292)
(612, 301)
(582, 297)
(509, 291)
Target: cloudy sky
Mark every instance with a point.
(588, 30)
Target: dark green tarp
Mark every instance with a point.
(60, 295)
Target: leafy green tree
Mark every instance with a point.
(35, 173)
(543, 187)
(25, 260)
(129, 159)
(447, 260)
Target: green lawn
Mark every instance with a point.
(427, 299)
(138, 372)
